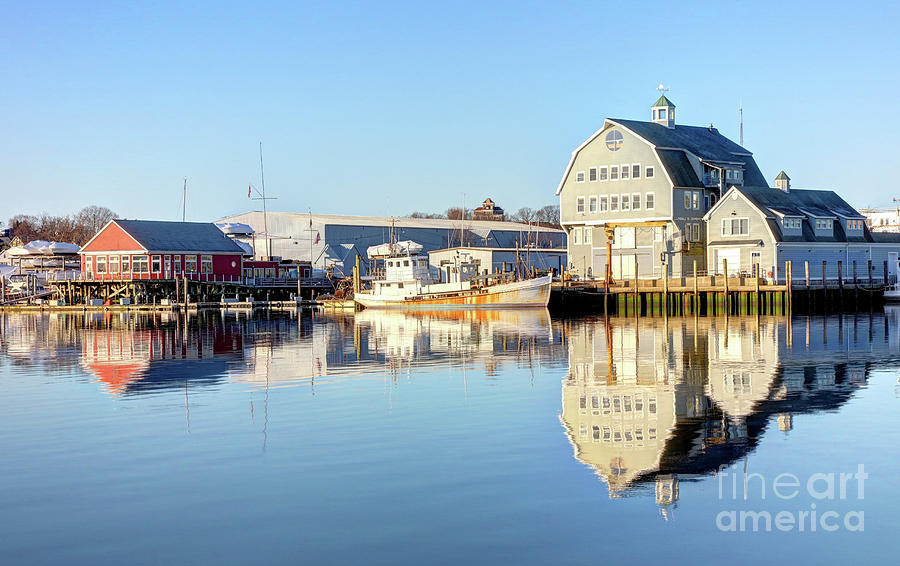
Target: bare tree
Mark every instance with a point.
(525, 214)
(77, 228)
(548, 215)
(458, 213)
(418, 214)
(93, 217)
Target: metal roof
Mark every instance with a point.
(402, 222)
(155, 235)
(662, 101)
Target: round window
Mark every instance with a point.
(614, 140)
(233, 264)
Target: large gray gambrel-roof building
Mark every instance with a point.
(755, 230)
(649, 185)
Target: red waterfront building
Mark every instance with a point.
(150, 249)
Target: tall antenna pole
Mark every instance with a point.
(262, 177)
(183, 198)
(742, 123)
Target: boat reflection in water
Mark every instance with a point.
(651, 401)
(420, 339)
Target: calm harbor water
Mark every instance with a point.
(387, 438)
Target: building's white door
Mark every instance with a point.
(732, 256)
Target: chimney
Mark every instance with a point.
(783, 182)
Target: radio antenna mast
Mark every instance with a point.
(183, 198)
(742, 123)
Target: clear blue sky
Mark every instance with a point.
(385, 108)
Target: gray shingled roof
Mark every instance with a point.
(803, 203)
(157, 235)
(679, 168)
(706, 143)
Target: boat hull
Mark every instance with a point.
(520, 294)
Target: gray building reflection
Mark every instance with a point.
(649, 402)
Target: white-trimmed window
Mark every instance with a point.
(695, 232)
(735, 226)
(140, 264)
(613, 172)
(89, 264)
(113, 264)
(792, 223)
(625, 171)
(176, 263)
(592, 174)
(206, 265)
(579, 177)
(190, 264)
(614, 203)
(101, 264)
(126, 264)
(592, 204)
(823, 224)
(659, 233)
(649, 201)
(696, 200)
(576, 236)
(636, 171)
(687, 200)
(588, 235)
(636, 201)
(626, 202)
(579, 204)
(648, 172)
(154, 264)
(604, 173)
(604, 203)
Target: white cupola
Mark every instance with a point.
(663, 112)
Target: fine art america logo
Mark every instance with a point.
(815, 512)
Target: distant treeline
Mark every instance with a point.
(75, 228)
(546, 215)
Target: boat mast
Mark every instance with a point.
(262, 177)
(183, 198)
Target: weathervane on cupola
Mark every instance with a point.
(663, 111)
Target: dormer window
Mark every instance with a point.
(792, 223)
(823, 224)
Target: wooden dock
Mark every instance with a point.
(720, 294)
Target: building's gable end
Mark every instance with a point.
(766, 218)
(607, 124)
(112, 237)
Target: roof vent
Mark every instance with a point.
(711, 128)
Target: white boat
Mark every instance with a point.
(892, 293)
(407, 284)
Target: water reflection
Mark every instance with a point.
(649, 402)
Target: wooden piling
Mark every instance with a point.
(725, 270)
(789, 279)
(696, 294)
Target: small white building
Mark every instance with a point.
(882, 219)
(492, 260)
